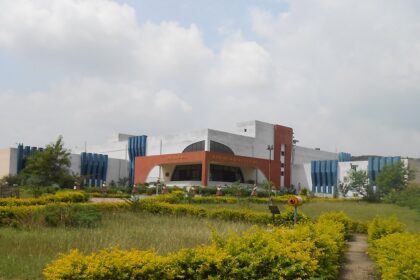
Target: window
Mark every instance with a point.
(283, 153)
(195, 147)
(220, 148)
(282, 165)
(224, 173)
(282, 173)
(190, 172)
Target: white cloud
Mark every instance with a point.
(243, 65)
(88, 109)
(336, 71)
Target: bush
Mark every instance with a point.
(74, 215)
(396, 252)
(302, 252)
(339, 217)
(409, 197)
(58, 214)
(397, 255)
(17, 215)
(65, 196)
(381, 227)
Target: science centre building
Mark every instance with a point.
(254, 153)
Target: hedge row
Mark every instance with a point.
(178, 196)
(67, 196)
(52, 214)
(20, 215)
(286, 217)
(395, 251)
(16, 215)
(302, 252)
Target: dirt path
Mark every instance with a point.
(357, 265)
(105, 199)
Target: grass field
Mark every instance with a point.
(358, 211)
(25, 252)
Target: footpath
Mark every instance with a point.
(357, 264)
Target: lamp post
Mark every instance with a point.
(269, 148)
(294, 142)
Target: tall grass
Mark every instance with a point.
(24, 252)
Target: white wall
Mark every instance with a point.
(301, 176)
(345, 167)
(240, 145)
(117, 169)
(252, 143)
(306, 155)
(75, 162)
(5, 162)
(174, 143)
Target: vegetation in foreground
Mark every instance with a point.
(24, 252)
(302, 252)
(395, 251)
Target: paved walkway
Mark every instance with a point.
(357, 264)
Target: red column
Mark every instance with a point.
(204, 170)
(282, 135)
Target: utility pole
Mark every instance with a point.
(269, 148)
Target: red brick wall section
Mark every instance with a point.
(143, 165)
(282, 135)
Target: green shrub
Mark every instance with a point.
(17, 215)
(409, 197)
(397, 255)
(339, 217)
(302, 252)
(396, 252)
(65, 196)
(381, 227)
(74, 215)
(359, 227)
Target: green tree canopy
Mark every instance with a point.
(392, 178)
(48, 167)
(357, 182)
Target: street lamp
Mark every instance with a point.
(269, 148)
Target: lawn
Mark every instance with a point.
(25, 252)
(358, 211)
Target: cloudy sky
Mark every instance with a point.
(344, 74)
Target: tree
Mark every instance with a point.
(10, 180)
(393, 178)
(123, 182)
(49, 166)
(268, 187)
(357, 182)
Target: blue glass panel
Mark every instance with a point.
(382, 163)
(334, 171)
(318, 174)
(323, 174)
(136, 148)
(329, 173)
(313, 177)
